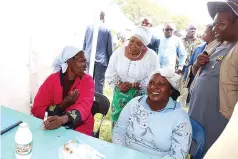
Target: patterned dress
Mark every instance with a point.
(190, 46)
(165, 133)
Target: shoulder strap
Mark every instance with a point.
(210, 49)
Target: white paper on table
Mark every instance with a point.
(76, 150)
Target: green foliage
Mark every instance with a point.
(136, 10)
(180, 21)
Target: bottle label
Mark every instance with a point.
(24, 149)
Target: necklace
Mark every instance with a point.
(134, 57)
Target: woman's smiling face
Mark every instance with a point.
(159, 88)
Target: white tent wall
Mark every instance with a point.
(116, 19)
(14, 55)
(33, 34)
(56, 24)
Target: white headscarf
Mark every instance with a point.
(170, 75)
(61, 61)
(143, 34)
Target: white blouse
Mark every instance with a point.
(122, 69)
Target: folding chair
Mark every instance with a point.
(101, 105)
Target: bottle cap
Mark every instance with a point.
(23, 125)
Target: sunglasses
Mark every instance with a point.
(169, 29)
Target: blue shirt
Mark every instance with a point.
(165, 133)
(104, 44)
(154, 44)
(197, 51)
(169, 50)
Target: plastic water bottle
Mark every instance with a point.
(23, 140)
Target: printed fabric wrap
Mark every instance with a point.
(120, 100)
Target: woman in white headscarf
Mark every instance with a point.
(129, 68)
(155, 123)
(67, 95)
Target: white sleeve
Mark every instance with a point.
(182, 54)
(157, 61)
(111, 75)
(119, 130)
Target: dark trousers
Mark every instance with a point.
(99, 76)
